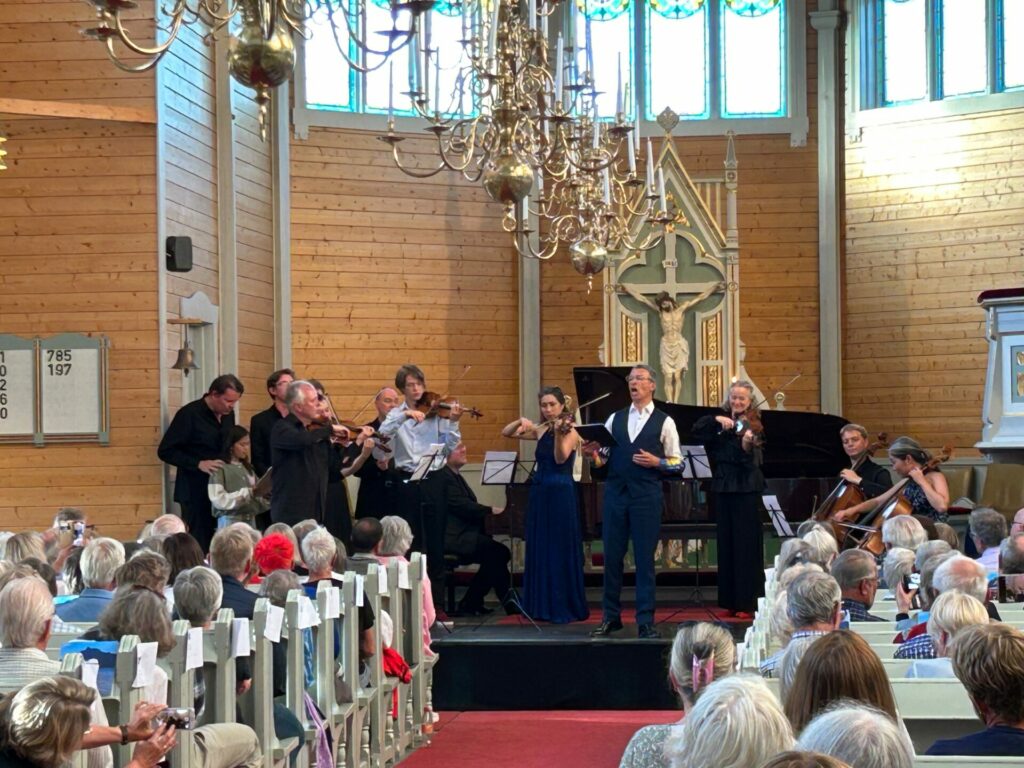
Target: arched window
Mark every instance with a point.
(719, 64)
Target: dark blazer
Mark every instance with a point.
(260, 428)
(299, 482)
(874, 478)
(465, 514)
(194, 435)
(238, 598)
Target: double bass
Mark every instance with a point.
(867, 534)
(846, 495)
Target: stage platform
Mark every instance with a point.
(503, 662)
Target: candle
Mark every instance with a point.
(650, 166)
(543, 26)
(391, 90)
(572, 25)
(589, 48)
(492, 47)
(465, 20)
(531, 14)
(558, 68)
(437, 82)
(618, 91)
(631, 153)
(606, 187)
(597, 127)
(661, 189)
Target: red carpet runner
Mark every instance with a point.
(532, 739)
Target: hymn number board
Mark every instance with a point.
(54, 389)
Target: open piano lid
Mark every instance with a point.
(798, 443)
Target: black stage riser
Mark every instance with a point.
(534, 674)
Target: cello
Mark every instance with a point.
(846, 495)
(867, 534)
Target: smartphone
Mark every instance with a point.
(913, 581)
(79, 533)
(182, 718)
(844, 623)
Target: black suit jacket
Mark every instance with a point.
(260, 428)
(875, 479)
(299, 481)
(194, 435)
(465, 514)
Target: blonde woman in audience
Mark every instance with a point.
(394, 544)
(736, 723)
(701, 654)
(950, 613)
(44, 723)
(22, 546)
(838, 666)
(903, 531)
(862, 736)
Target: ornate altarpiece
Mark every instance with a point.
(700, 250)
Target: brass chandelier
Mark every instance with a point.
(261, 53)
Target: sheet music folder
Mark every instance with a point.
(596, 433)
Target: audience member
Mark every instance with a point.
(182, 552)
(988, 529)
(43, 571)
(948, 534)
(231, 557)
(862, 736)
(736, 723)
(824, 549)
(1011, 565)
(366, 536)
(167, 525)
(100, 560)
(274, 552)
(794, 654)
(286, 530)
(950, 613)
(930, 531)
(71, 572)
(837, 667)
(898, 562)
(929, 549)
(701, 654)
(22, 546)
(795, 759)
(48, 719)
(856, 572)
(814, 608)
(903, 531)
(989, 660)
(146, 569)
(395, 542)
(792, 552)
(913, 627)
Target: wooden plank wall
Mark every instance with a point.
(934, 215)
(254, 217)
(778, 230)
(387, 269)
(77, 254)
(77, 234)
(190, 168)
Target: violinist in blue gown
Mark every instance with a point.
(553, 574)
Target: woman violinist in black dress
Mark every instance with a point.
(733, 441)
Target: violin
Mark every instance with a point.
(433, 404)
(563, 423)
(749, 421)
(846, 494)
(897, 504)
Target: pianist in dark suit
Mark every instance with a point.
(465, 538)
(873, 479)
(733, 442)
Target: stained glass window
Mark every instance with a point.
(608, 24)
(753, 60)
(677, 57)
(964, 57)
(905, 41)
(919, 51)
(1011, 44)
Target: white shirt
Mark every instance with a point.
(637, 418)
(411, 440)
(990, 559)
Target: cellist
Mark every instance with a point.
(873, 479)
(925, 490)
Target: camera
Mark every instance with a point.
(182, 718)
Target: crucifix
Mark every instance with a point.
(674, 349)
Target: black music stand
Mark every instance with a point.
(501, 468)
(695, 467)
(782, 527)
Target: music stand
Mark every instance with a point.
(695, 466)
(501, 468)
(782, 527)
(695, 462)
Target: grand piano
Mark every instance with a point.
(803, 456)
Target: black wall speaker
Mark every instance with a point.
(179, 254)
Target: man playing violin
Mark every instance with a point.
(872, 478)
(375, 476)
(417, 431)
(299, 445)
